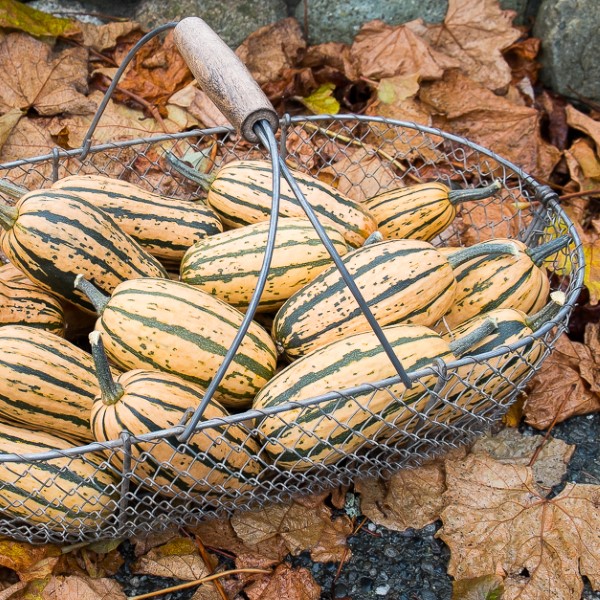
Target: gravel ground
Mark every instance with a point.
(404, 566)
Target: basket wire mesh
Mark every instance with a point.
(456, 401)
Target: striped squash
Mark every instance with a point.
(22, 302)
(422, 211)
(171, 326)
(46, 382)
(142, 402)
(241, 193)
(324, 433)
(406, 281)
(9, 272)
(52, 236)
(164, 227)
(227, 265)
(62, 494)
(502, 281)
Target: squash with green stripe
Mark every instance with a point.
(9, 272)
(62, 494)
(402, 281)
(142, 402)
(22, 302)
(171, 326)
(52, 236)
(46, 382)
(502, 281)
(421, 211)
(324, 433)
(241, 193)
(227, 265)
(164, 227)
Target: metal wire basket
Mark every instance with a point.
(454, 407)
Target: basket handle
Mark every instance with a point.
(224, 78)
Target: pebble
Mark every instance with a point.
(390, 552)
(382, 590)
(341, 590)
(366, 584)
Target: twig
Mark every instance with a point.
(206, 559)
(189, 584)
(594, 192)
(91, 50)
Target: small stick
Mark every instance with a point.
(204, 554)
(189, 584)
(593, 192)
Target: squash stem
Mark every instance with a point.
(462, 344)
(374, 238)
(466, 254)
(541, 253)
(96, 297)
(110, 390)
(458, 196)
(12, 189)
(557, 301)
(203, 180)
(8, 216)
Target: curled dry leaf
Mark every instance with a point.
(581, 122)
(272, 49)
(559, 391)
(333, 544)
(381, 50)
(81, 588)
(511, 446)
(410, 498)
(495, 517)
(285, 582)
(199, 105)
(474, 33)
(35, 76)
(103, 37)
(8, 122)
(28, 561)
(332, 55)
(179, 558)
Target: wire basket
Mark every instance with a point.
(456, 404)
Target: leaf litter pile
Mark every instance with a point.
(514, 528)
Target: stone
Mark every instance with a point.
(233, 20)
(570, 50)
(330, 21)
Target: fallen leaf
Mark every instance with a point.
(494, 516)
(82, 588)
(8, 591)
(380, 50)
(142, 544)
(410, 498)
(511, 446)
(199, 105)
(333, 544)
(104, 37)
(37, 77)
(393, 90)
(486, 587)
(178, 558)
(334, 55)
(298, 526)
(466, 108)
(208, 592)
(474, 33)
(272, 49)
(8, 122)
(285, 582)
(16, 15)
(521, 56)
(322, 101)
(558, 391)
(28, 561)
(584, 164)
(582, 122)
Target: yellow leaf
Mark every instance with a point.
(15, 15)
(322, 101)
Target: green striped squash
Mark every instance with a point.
(241, 193)
(46, 382)
(22, 302)
(171, 326)
(324, 433)
(67, 493)
(405, 281)
(9, 272)
(142, 402)
(164, 227)
(421, 211)
(51, 236)
(227, 265)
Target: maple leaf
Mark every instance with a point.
(335, 56)
(82, 588)
(285, 582)
(28, 561)
(381, 50)
(333, 543)
(103, 37)
(559, 391)
(199, 105)
(495, 517)
(35, 77)
(474, 33)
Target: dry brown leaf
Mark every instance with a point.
(380, 50)
(582, 122)
(410, 498)
(103, 37)
(178, 558)
(208, 592)
(468, 109)
(334, 55)
(8, 122)
(474, 33)
(28, 561)
(511, 446)
(142, 544)
(82, 588)
(559, 391)
(298, 526)
(285, 582)
(584, 164)
(333, 544)
(218, 533)
(34, 76)
(521, 58)
(494, 517)
(272, 49)
(199, 105)
(486, 587)
(9, 590)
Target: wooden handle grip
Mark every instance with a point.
(224, 77)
